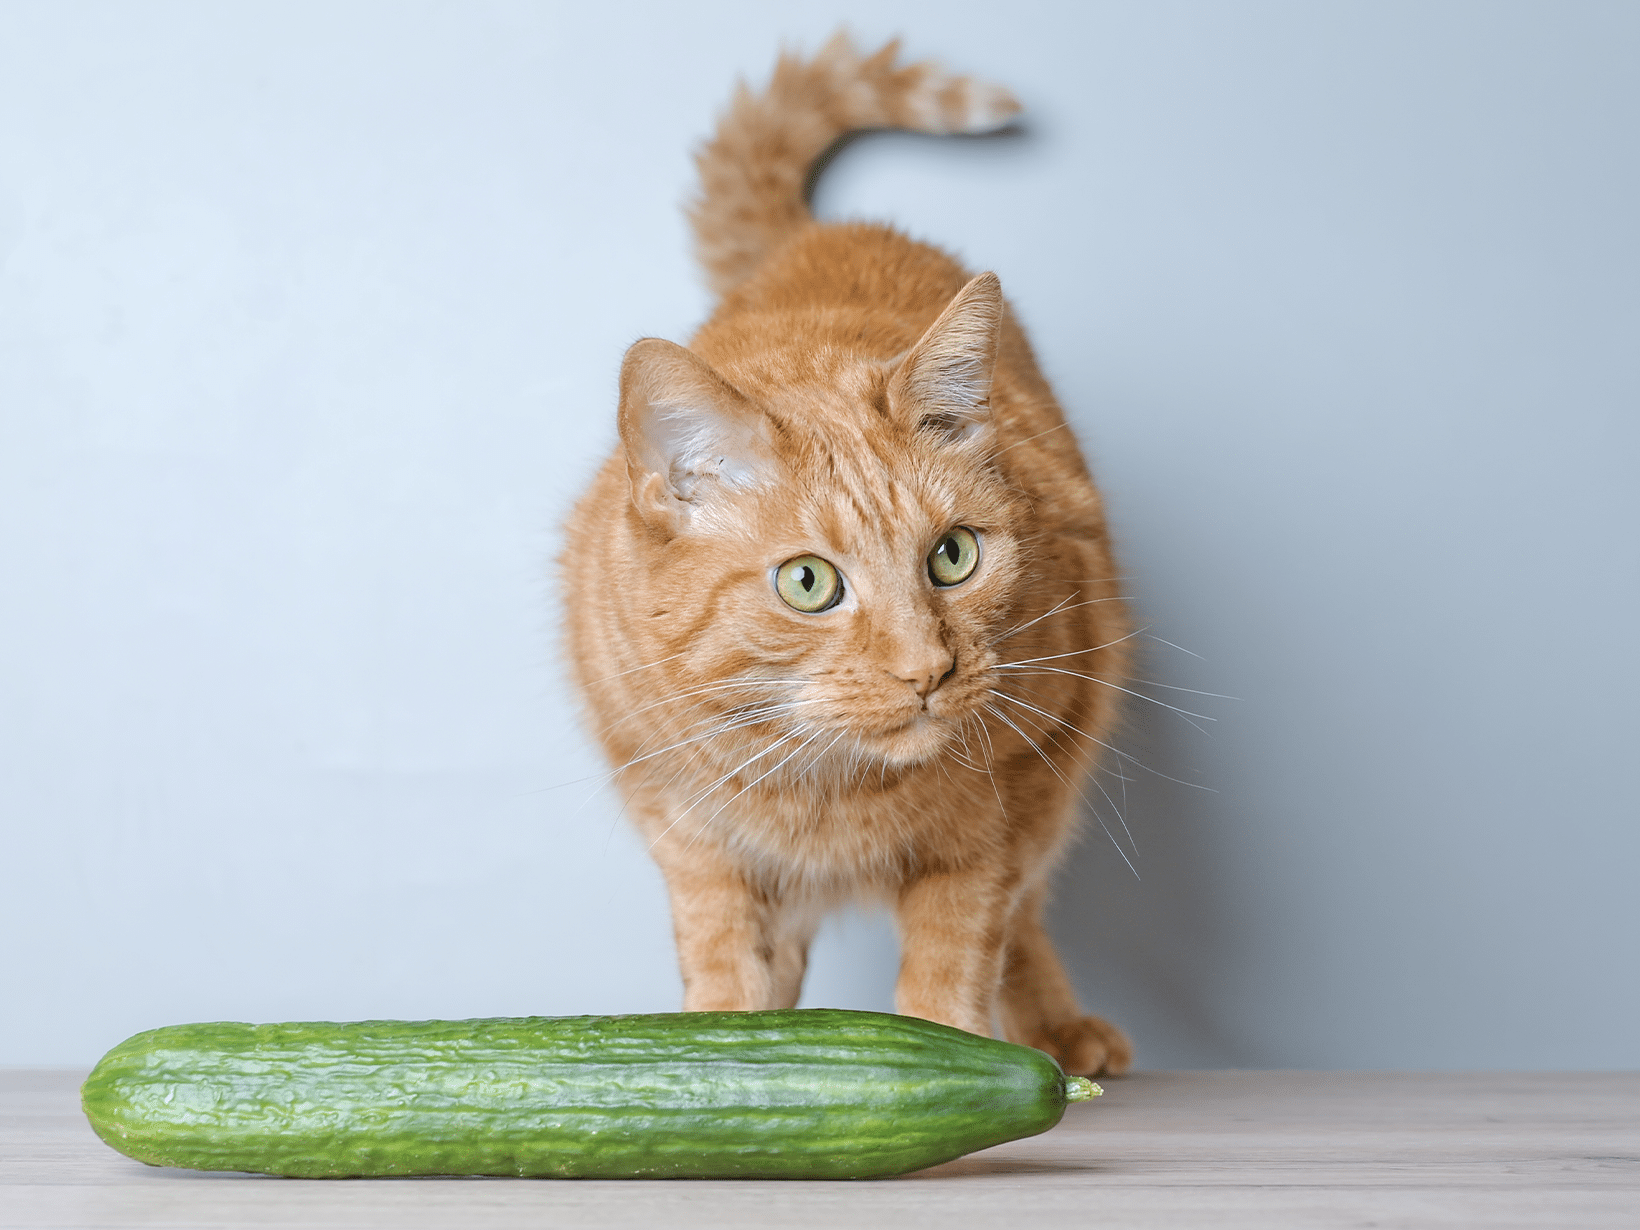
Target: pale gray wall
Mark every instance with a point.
(309, 319)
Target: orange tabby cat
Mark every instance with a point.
(841, 605)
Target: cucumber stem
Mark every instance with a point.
(1080, 1089)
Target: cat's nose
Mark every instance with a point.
(926, 670)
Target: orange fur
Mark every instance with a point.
(856, 396)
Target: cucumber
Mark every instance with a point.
(801, 1094)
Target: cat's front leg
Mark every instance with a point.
(722, 928)
(953, 926)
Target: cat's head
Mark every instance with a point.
(831, 542)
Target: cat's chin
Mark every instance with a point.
(903, 747)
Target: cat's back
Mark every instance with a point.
(865, 267)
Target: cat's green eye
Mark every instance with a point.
(808, 584)
(954, 558)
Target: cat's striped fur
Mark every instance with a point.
(855, 396)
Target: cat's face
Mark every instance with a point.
(829, 547)
(872, 582)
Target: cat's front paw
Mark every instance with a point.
(1088, 1046)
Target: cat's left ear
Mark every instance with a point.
(943, 384)
(689, 434)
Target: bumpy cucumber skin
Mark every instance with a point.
(801, 1094)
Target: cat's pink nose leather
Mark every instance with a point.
(927, 671)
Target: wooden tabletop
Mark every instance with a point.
(1220, 1149)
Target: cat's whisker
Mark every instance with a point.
(1060, 609)
(690, 760)
(718, 685)
(716, 723)
(1065, 724)
(745, 709)
(758, 719)
(1186, 714)
(634, 670)
(1053, 735)
(1041, 730)
(1122, 812)
(725, 727)
(1018, 628)
(721, 724)
(990, 761)
(1173, 687)
(603, 779)
(1118, 752)
(967, 748)
(1086, 802)
(722, 685)
(1119, 809)
(727, 723)
(728, 802)
(707, 791)
(1180, 648)
(1075, 653)
(820, 755)
(740, 683)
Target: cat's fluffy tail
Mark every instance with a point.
(754, 170)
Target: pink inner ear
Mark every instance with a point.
(946, 378)
(700, 445)
(681, 420)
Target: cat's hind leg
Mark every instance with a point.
(1039, 1007)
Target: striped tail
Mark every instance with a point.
(754, 170)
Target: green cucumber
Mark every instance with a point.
(802, 1094)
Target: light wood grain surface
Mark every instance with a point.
(1220, 1149)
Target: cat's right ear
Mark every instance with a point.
(943, 384)
(688, 433)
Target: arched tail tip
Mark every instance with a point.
(964, 105)
(1080, 1089)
